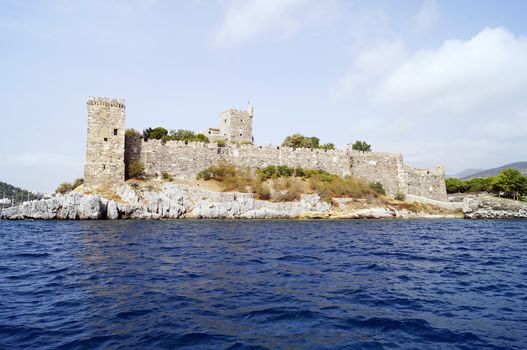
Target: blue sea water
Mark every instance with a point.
(416, 284)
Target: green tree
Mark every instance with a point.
(511, 182)
(158, 133)
(361, 146)
(301, 141)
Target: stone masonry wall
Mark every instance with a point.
(105, 142)
(185, 160)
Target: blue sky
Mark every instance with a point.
(442, 82)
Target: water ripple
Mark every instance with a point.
(418, 284)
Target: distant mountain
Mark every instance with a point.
(18, 194)
(466, 173)
(521, 166)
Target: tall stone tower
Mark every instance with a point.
(105, 142)
(237, 126)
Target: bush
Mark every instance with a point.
(361, 146)
(286, 190)
(64, 187)
(400, 196)
(133, 133)
(338, 187)
(135, 169)
(221, 143)
(261, 190)
(77, 182)
(166, 176)
(377, 187)
(230, 178)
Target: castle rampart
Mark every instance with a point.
(108, 150)
(185, 160)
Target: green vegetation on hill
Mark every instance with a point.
(301, 141)
(15, 194)
(509, 183)
(163, 134)
(282, 183)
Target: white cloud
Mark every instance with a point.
(370, 64)
(459, 75)
(248, 19)
(428, 16)
(462, 103)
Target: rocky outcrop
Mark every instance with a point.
(170, 201)
(158, 200)
(488, 207)
(71, 206)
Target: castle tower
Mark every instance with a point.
(105, 142)
(237, 126)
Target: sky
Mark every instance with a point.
(442, 82)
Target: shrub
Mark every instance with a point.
(338, 187)
(133, 133)
(166, 176)
(221, 143)
(76, 183)
(286, 190)
(400, 196)
(135, 169)
(377, 187)
(230, 178)
(64, 187)
(261, 190)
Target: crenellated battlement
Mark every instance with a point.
(105, 101)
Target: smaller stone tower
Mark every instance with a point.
(105, 142)
(237, 126)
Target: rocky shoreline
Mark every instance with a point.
(179, 201)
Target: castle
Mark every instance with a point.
(109, 149)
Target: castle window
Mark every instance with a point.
(105, 139)
(104, 167)
(241, 120)
(209, 132)
(115, 132)
(240, 134)
(225, 120)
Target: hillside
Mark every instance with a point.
(521, 166)
(18, 194)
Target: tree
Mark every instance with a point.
(361, 146)
(157, 133)
(301, 141)
(511, 182)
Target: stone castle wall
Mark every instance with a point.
(108, 150)
(185, 160)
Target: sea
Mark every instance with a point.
(358, 284)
